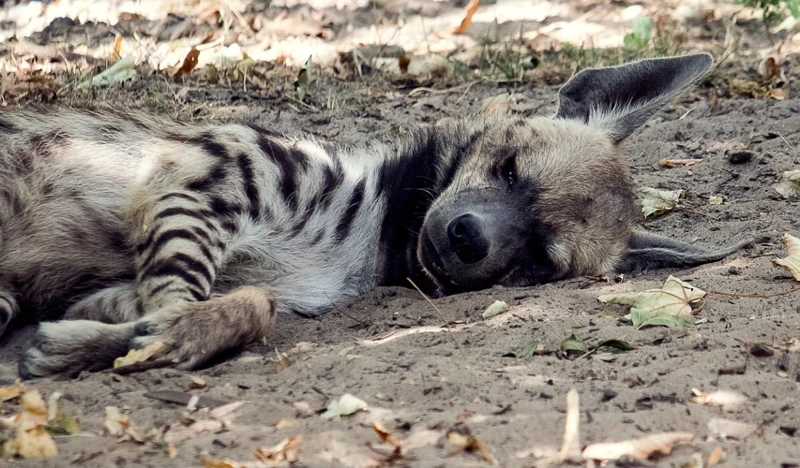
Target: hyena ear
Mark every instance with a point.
(620, 99)
(648, 251)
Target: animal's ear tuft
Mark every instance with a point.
(620, 99)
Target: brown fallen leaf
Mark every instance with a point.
(282, 360)
(670, 163)
(115, 55)
(779, 94)
(725, 399)
(189, 62)
(768, 69)
(462, 437)
(196, 383)
(472, 7)
(119, 425)
(640, 449)
(287, 450)
(139, 355)
(385, 435)
(31, 438)
(8, 393)
(403, 61)
(791, 261)
(715, 456)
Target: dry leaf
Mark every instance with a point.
(8, 393)
(725, 399)
(402, 62)
(768, 69)
(287, 450)
(119, 425)
(139, 355)
(344, 406)
(678, 162)
(715, 456)
(656, 202)
(196, 383)
(303, 407)
(385, 435)
(715, 200)
(462, 437)
(675, 298)
(115, 55)
(497, 308)
(189, 62)
(640, 449)
(789, 185)
(728, 429)
(221, 463)
(472, 7)
(32, 439)
(58, 422)
(779, 94)
(792, 261)
(286, 423)
(283, 360)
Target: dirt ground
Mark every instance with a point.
(421, 379)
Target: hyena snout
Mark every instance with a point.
(467, 239)
(470, 243)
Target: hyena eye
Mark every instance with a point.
(508, 171)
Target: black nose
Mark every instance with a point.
(467, 239)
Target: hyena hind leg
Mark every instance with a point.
(115, 304)
(194, 332)
(68, 347)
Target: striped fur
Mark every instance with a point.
(137, 229)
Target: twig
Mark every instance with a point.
(756, 296)
(142, 366)
(342, 312)
(441, 317)
(794, 151)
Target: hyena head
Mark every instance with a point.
(536, 200)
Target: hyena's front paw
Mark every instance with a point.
(194, 332)
(67, 347)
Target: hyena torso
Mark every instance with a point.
(89, 198)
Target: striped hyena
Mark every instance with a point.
(133, 229)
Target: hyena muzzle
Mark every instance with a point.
(132, 229)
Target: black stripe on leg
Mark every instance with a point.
(182, 195)
(166, 236)
(180, 211)
(172, 267)
(250, 187)
(356, 199)
(217, 174)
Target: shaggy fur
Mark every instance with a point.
(136, 229)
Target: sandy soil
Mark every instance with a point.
(421, 379)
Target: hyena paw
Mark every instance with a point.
(194, 332)
(68, 347)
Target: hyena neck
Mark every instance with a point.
(410, 180)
